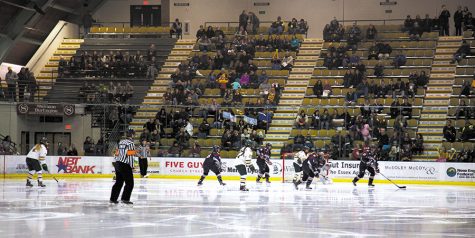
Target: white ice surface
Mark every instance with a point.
(178, 208)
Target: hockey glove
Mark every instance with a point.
(377, 170)
(252, 168)
(45, 167)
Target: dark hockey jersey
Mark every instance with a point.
(263, 153)
(212, 160)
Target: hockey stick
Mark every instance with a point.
(52, 176)
(400, 187)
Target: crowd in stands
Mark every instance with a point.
(112, 93)
(7, 146)
(23, 82)
(119, 64)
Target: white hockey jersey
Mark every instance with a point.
(299, 157)
(38, 152)
(244, 156)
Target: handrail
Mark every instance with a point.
(124, 23)
(369, 20)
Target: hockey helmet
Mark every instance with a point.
(269, 145)
(130, 133)
(305, 148)
(247, 143)
(44, 141)
(216, 149)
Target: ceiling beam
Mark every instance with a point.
(66, 9)
(31, 41)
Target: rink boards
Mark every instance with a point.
(160, 167)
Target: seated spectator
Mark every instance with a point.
(318, 88)
(145, 135)
(88, 146)
(384, 50)
(327, 90)
(72, 151)
(174, 150)
(449, 132)
(294, 43)
(406, 108)
(203, 129)
(155, 139)
(277, 27)
(373, 51)
(195, 150)
(245, 80)
(462, 52)
(299, 141)
(287, 62)
(371, 32)
(200, 33)
(422, 80)
(379, 70)
(292, 27)
(302, 27)
(366, 132)
(399, 60)
(400, 124)
(467, 132)
(408, 24)
(204, 44)
(302, 120)
(462, 111)
(466, 87)
(176, 29)
(326, 120)
(316, 120)
(418, 147)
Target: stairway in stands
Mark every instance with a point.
(293, 94)
(154, 97)
(48, 75)
(437, 97)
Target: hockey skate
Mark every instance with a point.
(296, 184)
(127, 202)
(113, 202)
(267, 180)
(258, 180)
(243, 188)
(222, 183)
(145, 176)
(354, 181)
(308, 187)
(40, 184)
(200, 183)
(28, 183)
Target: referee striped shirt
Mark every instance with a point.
(126, 152)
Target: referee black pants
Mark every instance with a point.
(123, 173)
(143, 164)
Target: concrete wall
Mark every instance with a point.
(118, 10)
(51, 43)
(316, 12)
(12, 124)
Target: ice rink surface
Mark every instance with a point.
(178, 208)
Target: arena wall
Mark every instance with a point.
(191, 168)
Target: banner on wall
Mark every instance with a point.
(419, 171)
(45, 109)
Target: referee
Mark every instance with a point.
(124, 163)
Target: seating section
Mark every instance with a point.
(132, 32)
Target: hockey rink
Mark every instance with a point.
(178, 208)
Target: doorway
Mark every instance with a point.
(145, 15)
(54, 139)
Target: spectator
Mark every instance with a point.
(371, 32)
(379, 70)
(174, 150)
(302, 120)
(11, 79)
(406, 108)
(299, 141)
(203, 129)
(422, 80)
(88, 146)
(176, 29)
(255, 22)
(303, 27)
(200, 33)
(292, 27)
(129, 91)
(444, 21)
(384, 50)
(325, 120)
(449, 132)
(465, 90)
(373, 51)
(408, 24)
(22, 83)
(204, 44)
(458, 19)
(418, 148)
(146, 135)
(287, 62)
(277, 27)
(399, 60)
(318, 89)
(195, 150)
(61, 149)
(72, 151)
(243, 19)
(155, 139)
(462, 111)
(462, 52)
(87, 22)
(366, 132)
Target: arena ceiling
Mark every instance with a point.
(32, 20)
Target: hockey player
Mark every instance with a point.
(244, 160)
(311, 168)
(368, 162)
(35, 160)
(263, 162)
(299, 157)
(212, 162)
